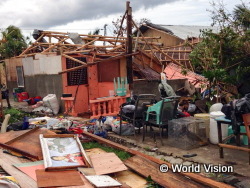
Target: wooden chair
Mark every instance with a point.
(246, 120)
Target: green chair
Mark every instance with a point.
(120, 86)
(159, 114)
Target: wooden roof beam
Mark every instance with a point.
(74, 59)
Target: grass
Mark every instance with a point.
(121, 154)
(15, 114)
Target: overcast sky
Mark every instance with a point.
(83, 16)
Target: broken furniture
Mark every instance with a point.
(222, 120)
(137, 116)
(159, 114)
(187, 133)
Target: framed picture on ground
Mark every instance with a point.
(63, 152)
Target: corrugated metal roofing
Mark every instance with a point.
(185, 31)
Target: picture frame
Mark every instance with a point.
(63, 152)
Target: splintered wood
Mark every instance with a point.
(147, 168)
(106, 163)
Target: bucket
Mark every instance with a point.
(206, 123)
(213, 135)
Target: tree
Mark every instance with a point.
(242, 15)
(13, 42)
(224, 57)
(121, 30)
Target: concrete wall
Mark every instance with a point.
(41, 75)
(151, 87)
(42, 85)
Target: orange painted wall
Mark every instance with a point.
(82, 100)
(104, 88)
(93, 89)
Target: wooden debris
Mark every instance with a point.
(58, 178)
(7, 161)
(27, 144)
(194, 176)
(107, 163)
(147, 168)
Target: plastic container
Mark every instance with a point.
(213, 135)
(15, 92)
(206, 124)
(22, 96)
(111, 93)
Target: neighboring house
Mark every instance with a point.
(177, 43)
(171, 35)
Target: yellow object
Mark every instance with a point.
(202, 115)
(206, 118)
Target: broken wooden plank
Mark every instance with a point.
(74, 59)
(119, 56)
(27, 144)
(148, 168)
(5, 137)
(234, 147)
(107, 163)
(58, 178)
(7, 161)
(22, 135)
(127, 177)
(194, 176)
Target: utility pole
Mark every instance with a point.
(129, 46)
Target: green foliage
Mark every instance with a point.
(242, 14)
(151, 183)
(13, 42)
(121, 154)
(15, 115)
(225, 56)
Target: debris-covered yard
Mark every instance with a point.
(152, 106)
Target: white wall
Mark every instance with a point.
(42, 64)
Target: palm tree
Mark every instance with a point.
(242, 15)
(13, 42)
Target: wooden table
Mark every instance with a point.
(222, 142)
